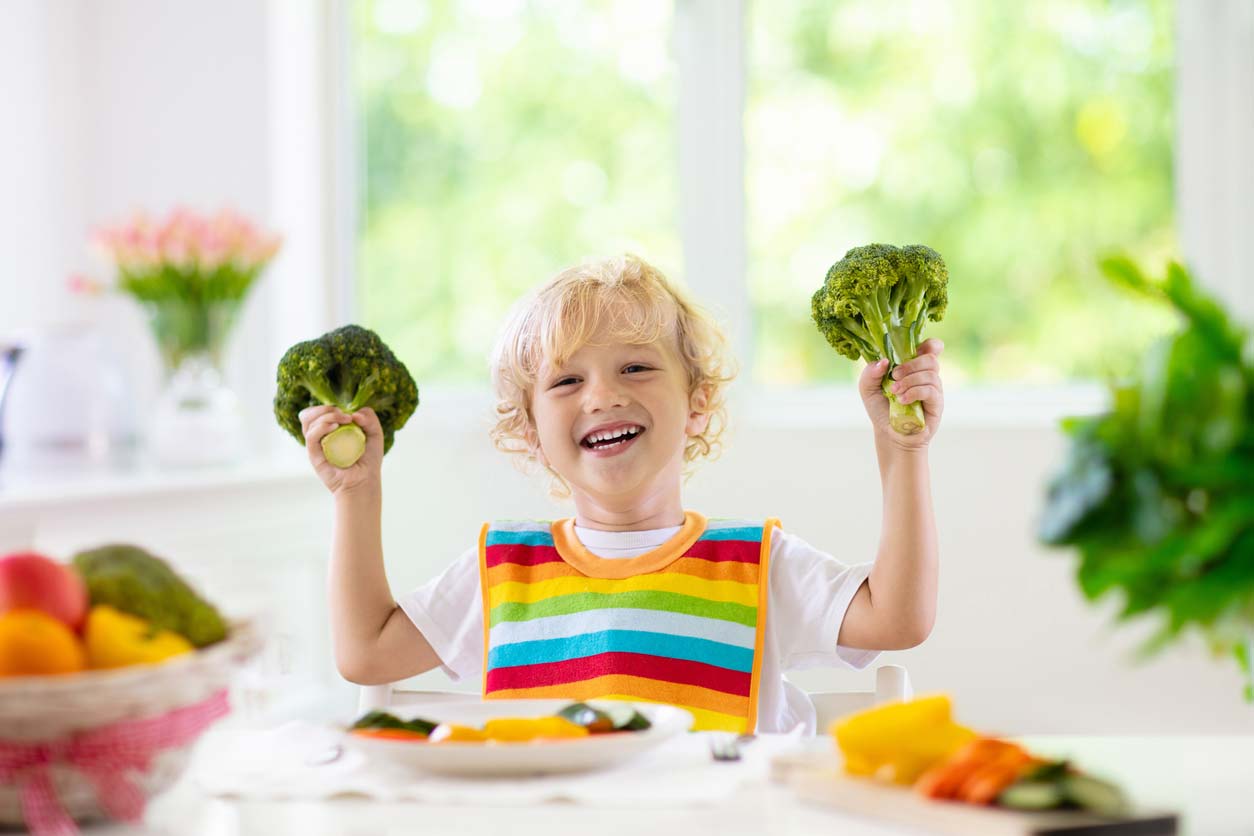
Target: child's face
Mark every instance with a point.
(642, 389)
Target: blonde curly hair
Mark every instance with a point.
(641, 306)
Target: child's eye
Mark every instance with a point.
(562, 382)
(639, 366)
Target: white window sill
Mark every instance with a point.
(35, 489)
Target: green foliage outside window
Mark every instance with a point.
(1022, 141)
(502, 140)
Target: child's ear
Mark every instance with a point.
(533, 444)
(698, 410)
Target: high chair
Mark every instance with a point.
(891, 683)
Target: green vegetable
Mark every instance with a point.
(1058, 784)
(384, 720)
(1157, 493)
(605, 719)
(873, 304)
(1094, 794)
(131, 580)
(350, 368)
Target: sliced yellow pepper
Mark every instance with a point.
(115, 639)
(900, 740)
(453, 733)
(520, 729)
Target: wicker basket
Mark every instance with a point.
(48, 708)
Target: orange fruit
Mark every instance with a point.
(34, 643)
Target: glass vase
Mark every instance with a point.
(198, 419)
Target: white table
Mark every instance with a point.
(1209, 779)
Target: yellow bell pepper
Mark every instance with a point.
(901, 740)
(453, 733)
(520, 729)
(115, 639)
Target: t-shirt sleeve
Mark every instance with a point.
(448, 611)
(810, 592)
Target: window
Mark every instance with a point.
(504, 140)
(1021, 141)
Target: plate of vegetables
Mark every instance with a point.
(515, 737)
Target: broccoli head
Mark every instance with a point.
(130, 579)
(873, 304)
(351, 368)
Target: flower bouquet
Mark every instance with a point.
(192, 274)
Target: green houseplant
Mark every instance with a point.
(1157, 493)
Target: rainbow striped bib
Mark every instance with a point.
(682, 624)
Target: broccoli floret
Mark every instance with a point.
(873, 304)
(351, 368)
(130, 579)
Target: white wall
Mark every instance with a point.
(123, 106)
(145, 103)
(41, 158)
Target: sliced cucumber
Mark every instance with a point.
(1094, 794)
(1032, 795)
(626, 718)
(582, 714)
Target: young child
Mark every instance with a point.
(612, 380)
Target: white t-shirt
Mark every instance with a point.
(808, 594)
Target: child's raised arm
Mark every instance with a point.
(374, 641)
(896, 607)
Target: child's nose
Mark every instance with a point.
(603, 394)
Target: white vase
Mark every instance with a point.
(198, 420)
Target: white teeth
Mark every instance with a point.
(610, 434)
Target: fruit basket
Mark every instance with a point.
(100, 743)
(110, 668)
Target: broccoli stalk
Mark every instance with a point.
(350, 368)
(873, 304)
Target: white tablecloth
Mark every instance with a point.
(281, 764)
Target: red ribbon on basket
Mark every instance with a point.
(105, 755)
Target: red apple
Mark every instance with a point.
(32, 581)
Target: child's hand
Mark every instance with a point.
(915, 380)
(318, 421)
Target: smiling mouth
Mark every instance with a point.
(619, 439)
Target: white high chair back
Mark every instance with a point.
(891, 683)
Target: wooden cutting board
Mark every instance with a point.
(818, 778)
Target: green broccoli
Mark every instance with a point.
(351, 368)
(873, 304)
(132, 580)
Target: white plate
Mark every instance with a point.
(535, 757)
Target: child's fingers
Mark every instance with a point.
(368, 420)
(926, 392)
(924, 362)
(926, 378)
(872, 376)
(932, 346)
(310, 414)
(320, 428)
